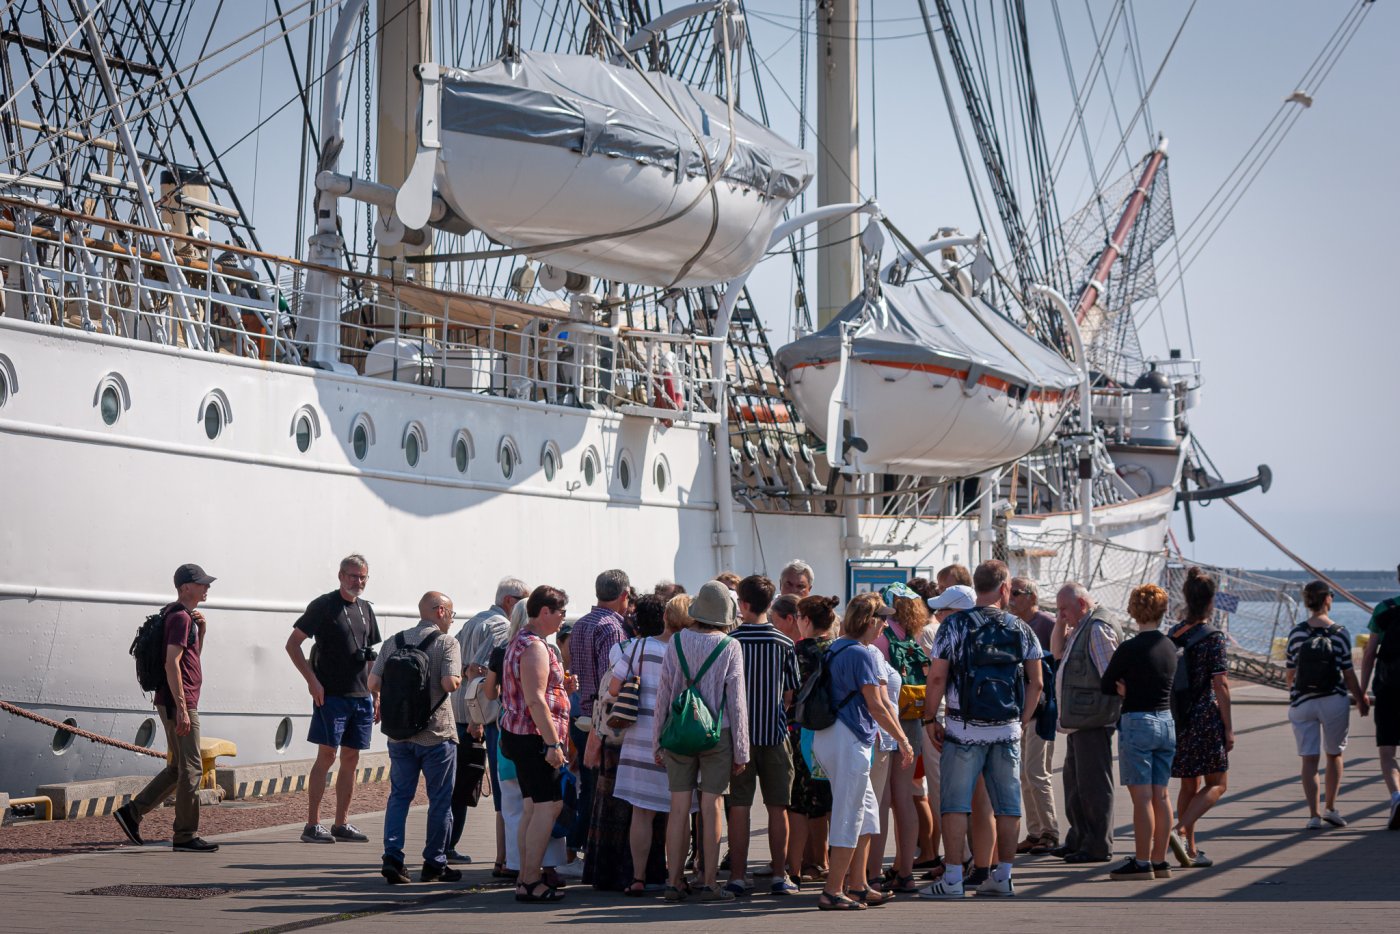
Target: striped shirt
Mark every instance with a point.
(770, 669)
(590, 643)
(1341, 656)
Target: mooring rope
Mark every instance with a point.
(1336, 587)
(76, 731)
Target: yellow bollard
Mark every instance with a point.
(210, 749)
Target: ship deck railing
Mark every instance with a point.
(101, 275)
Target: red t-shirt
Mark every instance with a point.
(181, 630)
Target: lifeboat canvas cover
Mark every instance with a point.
(582, 106)
(925, 325)
(930, 390)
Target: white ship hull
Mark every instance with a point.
(98, 516)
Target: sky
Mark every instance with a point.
(1292, 308)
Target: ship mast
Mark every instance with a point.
(1114, 248)
(838, 155)
(404, 42)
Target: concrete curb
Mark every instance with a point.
(100, 797)
(274, 778)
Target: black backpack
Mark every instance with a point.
(1387, 623)
(1182, 696)
(1315, 665)
(992, 686)
(814, 708)
(406, 689)
(148, 648)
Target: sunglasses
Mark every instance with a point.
(1021, 593)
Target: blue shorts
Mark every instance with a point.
(342, 721)
(1146, 747)
(999, 763)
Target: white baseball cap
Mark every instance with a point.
(956, 597)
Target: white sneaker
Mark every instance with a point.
(1333, 818)
(1394, 822)
(572, 870)
(992, 888)
(1314, 823)
(943, 889)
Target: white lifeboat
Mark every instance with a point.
(930, 389)
(554, 148)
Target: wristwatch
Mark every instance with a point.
(559, 746)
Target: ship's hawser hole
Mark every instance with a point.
(283, 739)
(62, 739)
(303, 434)
(590, 466)
(462, 450)
(111, 404)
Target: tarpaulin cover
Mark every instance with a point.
(588, 106)
(927, 325)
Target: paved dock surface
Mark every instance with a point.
(1270, 875)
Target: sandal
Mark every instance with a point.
(532, 893)
(813, 874)
(933, 863)
(869, 897)
(638, 889)
(828, 902)
(552, 879)
(904, 884)
(501, 872)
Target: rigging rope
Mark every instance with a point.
(76, 731)
(1320, 575)
(1270, 138)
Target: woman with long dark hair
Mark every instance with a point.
(1205, 734)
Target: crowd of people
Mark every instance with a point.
(620, 750)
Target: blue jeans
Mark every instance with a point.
(999, 763)
(1146, 747)
(438, 766)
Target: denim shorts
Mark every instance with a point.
(961, 765)
(342, 721)
(1146, 747)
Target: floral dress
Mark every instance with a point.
(1200, 745)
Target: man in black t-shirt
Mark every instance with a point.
(343, 716)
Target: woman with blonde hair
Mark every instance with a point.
(844, 752)
(1141, 671)
(898, 644)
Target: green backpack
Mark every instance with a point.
(691, 728)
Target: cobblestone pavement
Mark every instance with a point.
(1270, 875)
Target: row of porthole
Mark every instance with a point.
(113, 399)
(146, 735)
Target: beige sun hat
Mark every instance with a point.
(713, 606)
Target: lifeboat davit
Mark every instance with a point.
(930, 389)
(552, 148)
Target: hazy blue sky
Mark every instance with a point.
(1292, 306)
